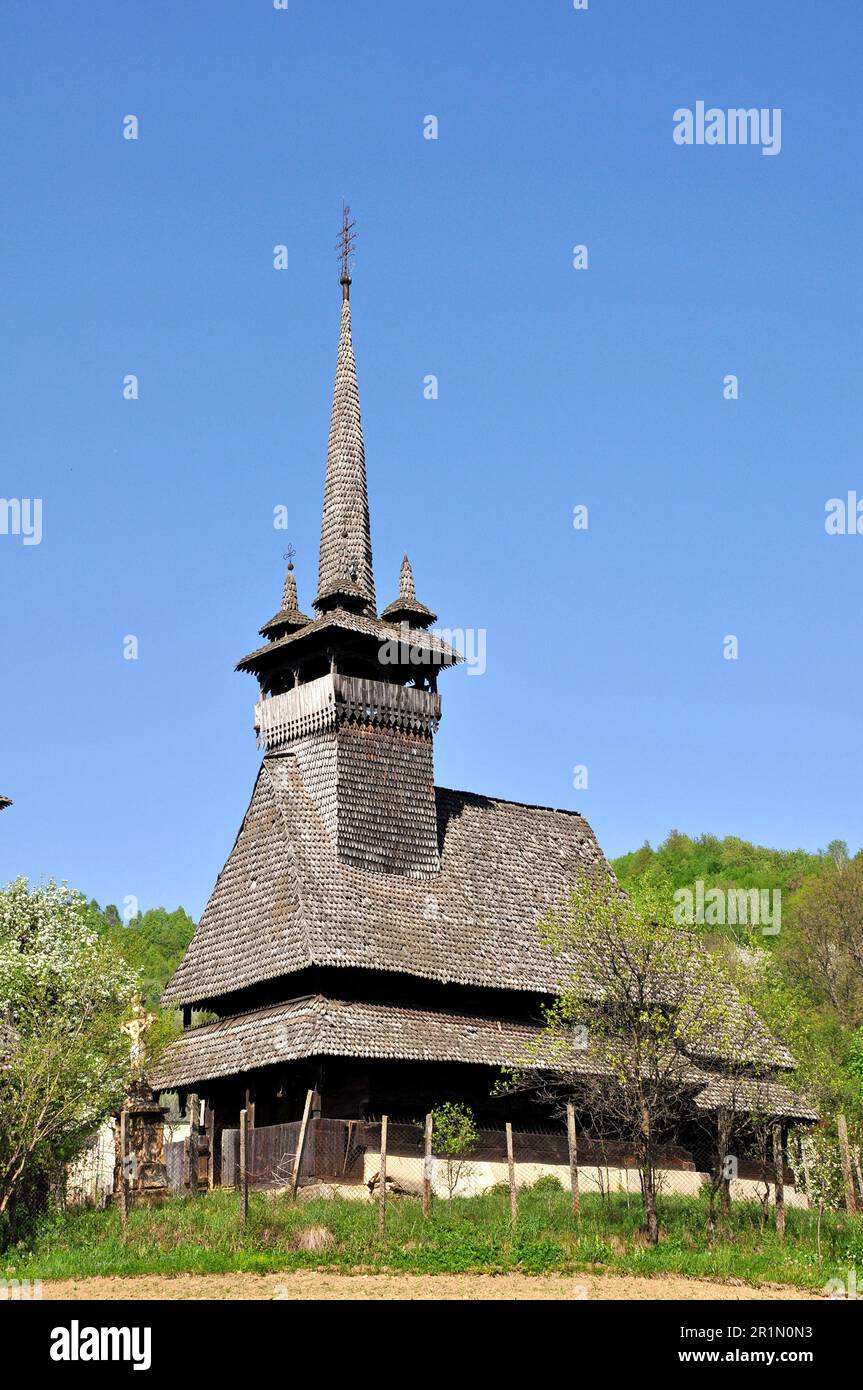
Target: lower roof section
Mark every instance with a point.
(758, 1095)
(316, 1026)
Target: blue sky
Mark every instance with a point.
(556, 387)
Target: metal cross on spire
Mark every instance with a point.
(345, 247)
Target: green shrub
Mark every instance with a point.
(548, 1182)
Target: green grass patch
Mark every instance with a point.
(468, 1235)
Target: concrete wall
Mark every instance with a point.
(479, 1176)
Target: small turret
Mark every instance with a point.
(407, 608)
(289, 618)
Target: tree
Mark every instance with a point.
(153, 943)
(729, 863)
(741, 1119)
(64, 1064)
(824, 1183)
(454, 1138)
(838, 852)
(855, 1058)
(648, 998)
(640, 861)
(823, 947)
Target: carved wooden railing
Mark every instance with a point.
(323, 703)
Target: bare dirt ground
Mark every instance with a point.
(312, 1284)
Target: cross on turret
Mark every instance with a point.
(345, 246)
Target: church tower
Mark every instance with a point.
(350, 696)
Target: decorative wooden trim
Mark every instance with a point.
(333, 699)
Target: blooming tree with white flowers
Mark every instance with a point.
(64, 1062)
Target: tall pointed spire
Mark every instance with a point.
(345, 573)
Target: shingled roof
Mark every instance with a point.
(315, 1026)
(340, 621)
(755, 1094)
(285, 901)
(407, 607)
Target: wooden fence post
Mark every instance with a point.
(513, 1196)
(301, 1143)
(211, 1146)
(382, 1180)
(845, 1155)
(802, 1165)
(194, 1126)
(244, 1167)
(124, 1186)
(427, 1165)
(779, 1178)
(572, 1138)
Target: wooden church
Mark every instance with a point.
(372, 936)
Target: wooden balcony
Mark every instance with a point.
(333, 699)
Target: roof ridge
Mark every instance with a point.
(510, 801)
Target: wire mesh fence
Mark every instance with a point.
(519, 1160)
(384, 1159)
(52, 1184)
(90, 1177)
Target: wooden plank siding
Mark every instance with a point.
(330, 1153)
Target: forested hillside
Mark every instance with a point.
(153, 943)
(729, 863)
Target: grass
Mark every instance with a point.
(467, 1235)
